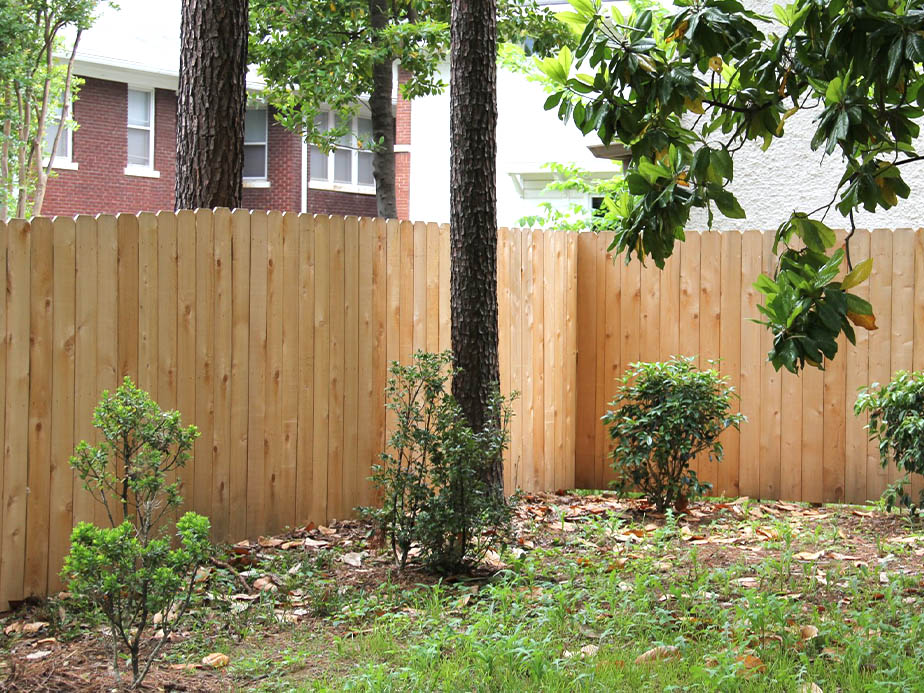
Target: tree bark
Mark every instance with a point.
(383, 122)
(473, 211)
(211, 100)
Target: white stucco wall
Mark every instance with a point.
(769, 184)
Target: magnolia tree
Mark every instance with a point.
(37, 89)
(685, 88)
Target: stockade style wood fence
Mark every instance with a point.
(272, 333)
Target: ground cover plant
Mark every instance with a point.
(595, 593)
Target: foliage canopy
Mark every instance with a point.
(687, 88)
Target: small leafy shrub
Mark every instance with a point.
(129, 570)
(663, 415)
(896, 422)
(431, 475)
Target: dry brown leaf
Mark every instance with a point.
(809, 555)
(808, 632)
(352, 559)
(314, 543)
(750, 664)
(842, 556)
(186, 666)
(270, 542)
(34, 627)
(326, 531)
(38, 654)
(768, 533)
(265, 584)
(860, 513)
(658, 653)
(216, 660)
(14, 627)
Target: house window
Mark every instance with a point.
(140, 132)
(63, 157)
(255, 139)
(349, 164)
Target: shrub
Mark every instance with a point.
(432, 475)
(663, 415)
(896, 422)
(129, 570)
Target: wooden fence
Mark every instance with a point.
(802, 440)
(272, 333)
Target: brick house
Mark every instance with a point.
(121, 156)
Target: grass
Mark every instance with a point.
(747, 596)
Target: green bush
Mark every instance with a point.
(896, 422)
(129, 570)
(663, 415)
(432, 474)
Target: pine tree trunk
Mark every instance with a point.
(211, 101)
(473, 211)
(383, 122)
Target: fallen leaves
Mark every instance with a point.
(216, 660)
(660, 653)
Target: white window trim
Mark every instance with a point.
(260, 181)
(337, 186)
(137, 169)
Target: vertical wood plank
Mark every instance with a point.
(107, 336)
(570, 357)
(322, 354)
(272, 426)
(730, 352)
(517, 330)
(710, 327)
(221, 433)
(690, 276)
(537, 250)
(503, 329)
(614, 360)
(528, 405)
(166, 312)
(305, 509)
(128, 295)
(147, 303)
(433, 286)
(256, 350)
(5, 233)
(16, 443)
(669, 312)
(551, 368)
(834, 435)
(290, 335)
(85, 392)
(917, 481)
(752, 358)
(771, 401)
(351, 309)
(61, 485)
(240, 387)
(857, 358)
(335, 500)
(205, 355)
(369, 358)
(406, 273)
(587, 355)
(38, 501)
(420, 286)
(445, 282)
(649, 316)
(185, 338)
(393, 306)
(902, 334)
(880, 352)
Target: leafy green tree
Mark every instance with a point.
(687, 88)
(35, 89)
(336, 55)
(576, 216)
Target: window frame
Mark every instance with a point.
(329, 183)
(57, 161)
(147, 171)
(264, 143)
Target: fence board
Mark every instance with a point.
(290, 335)
(771, 401)
(730, 352)
(221, 433)
(710, 324)
(185, 330)
(880, 356)
(305, 482)
(240, 386)
(857, 376)
(256, 350)
(902, 334)
(272, 424)
(752, 357)
(85, 394)
(351, 471)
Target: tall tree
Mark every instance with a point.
(211, 101)
(36, 93)
(339, 55)
(473, 212)
(688, 87)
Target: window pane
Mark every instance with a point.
(255, 126)
(318, 164)
(343, 166)
(51, 129)
(139, 108)
(364, 131)
(365, 169)
(347, 139)
(255, 161)
(321, 122)
(139, 143)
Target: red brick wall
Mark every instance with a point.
(403, 159)
(99, 148)
(101, 186)
(284, 169)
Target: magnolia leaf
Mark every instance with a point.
(859, 274)
(658, 653)
(750, 664)
(865, 321)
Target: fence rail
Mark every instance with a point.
(272, 333)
